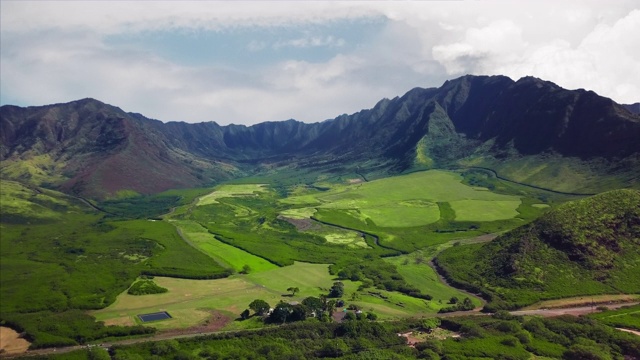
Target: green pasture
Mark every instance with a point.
(230, 190)
(411, 200)
(188, 301)
(485, 210)
(224, 254)
(415, 269)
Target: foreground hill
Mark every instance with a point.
(528, 130)
(585, 247)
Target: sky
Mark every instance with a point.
(250, 62)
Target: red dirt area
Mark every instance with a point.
(216, 322)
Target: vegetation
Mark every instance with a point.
(88, 261)
(240, 229)
(499, 337)
(625, 317)
(592, 242)
(145, 287)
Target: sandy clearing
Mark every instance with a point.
(11, 342)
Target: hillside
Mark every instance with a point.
(585, 247)
(531, 131)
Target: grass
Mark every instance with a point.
(224, 254)
(485, 210)
(410, 200)
(415, 269)
(230, 190)
(188, 300)
(626, 317)
(21, 202)
(591, 242)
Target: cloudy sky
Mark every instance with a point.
(248, 62)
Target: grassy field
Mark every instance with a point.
(416, 271)
(188, 301)
(411, 200)
(230, 190)
(225, 255)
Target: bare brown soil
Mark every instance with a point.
(302, 224)
(355, 181)
(11, 342)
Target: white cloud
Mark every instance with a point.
(56, 51)
(314, 41)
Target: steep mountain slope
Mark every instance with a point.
(584, 247)
(90, 148)
(529, 130)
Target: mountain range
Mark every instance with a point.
(531, 131)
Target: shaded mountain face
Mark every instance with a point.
(634, 108)
(87, 147)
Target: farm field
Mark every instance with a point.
(411, 200)
(226, 255)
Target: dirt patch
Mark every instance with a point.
(11, 342)
(355, 181)
(215, 322)
(301, 224)
(414, 337)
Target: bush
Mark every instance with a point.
(145, 287)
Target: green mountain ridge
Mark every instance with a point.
(583, 247)
(529, 130)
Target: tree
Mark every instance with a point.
(245, 314)
(467, 304)
(313, 304)
(430, 323)
(293, 290)
(453, 300)
(245, 269)
(330, 307)
(281, 312)
(259, 306)
(337, 290)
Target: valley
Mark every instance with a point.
(327, 239)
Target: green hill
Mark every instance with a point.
(584, 247)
